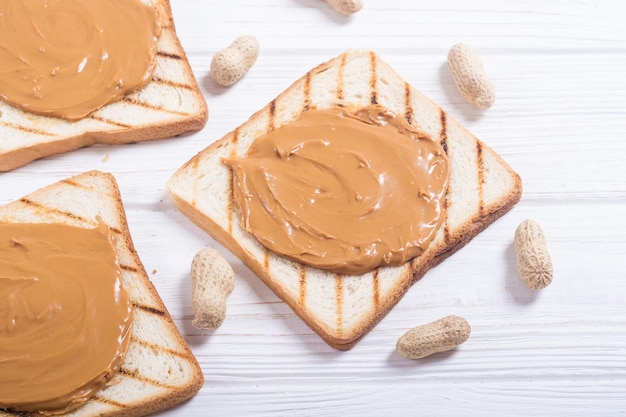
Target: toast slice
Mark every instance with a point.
(343, 308)
(169, 105)
(159, 370)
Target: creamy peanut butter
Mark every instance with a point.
(67, 58)
(65, 318)
(341, 190)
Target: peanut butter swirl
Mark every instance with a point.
(65, 319)
(341, 190)
(67, 58)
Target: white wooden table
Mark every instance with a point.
(559, 120)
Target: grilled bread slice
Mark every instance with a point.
(343, 308)
(159, 370)
(169, 105)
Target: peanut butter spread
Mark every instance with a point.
(341, 190)
(65, 319)
(67, 58)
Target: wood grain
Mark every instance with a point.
(559, 119)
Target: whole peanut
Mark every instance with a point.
(533, 260)
(469, 76)
(439, 336)
(346, 7)
(212, 281)
(230, 64)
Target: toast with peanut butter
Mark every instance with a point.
(343, 302)
(158, 370)
(160, 99)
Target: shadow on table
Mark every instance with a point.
(519, 292)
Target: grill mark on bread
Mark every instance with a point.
(266, 260)
(306, 106)
(195, 166)
(480, 165)
(446, 227)
(149, 309)
(150, 106)
(373, 79)
(443, 140)
(443, 133)
(108, 401)
(169, 55)
(75, 184)
(64, 213)
(339, 303)
(340, 80)
(155, 347)
(129, 268)
(376, 289)
(408, 106)
(138, 376)
(307, 92)
(235, 141)
(230, 204)
(109, 121)
(170, 83)
(302, 284)
(22, 128)
(230, 198)
(413, 268)
(68, 181)
(272, 116)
